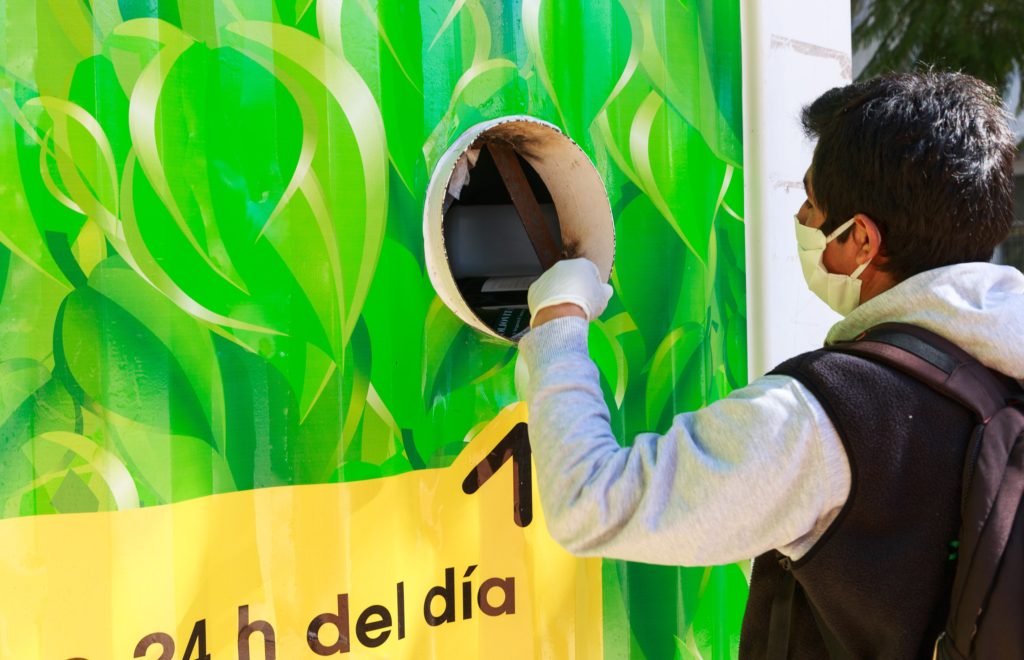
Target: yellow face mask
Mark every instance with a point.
(840, 292)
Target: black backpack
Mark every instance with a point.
(986, 612)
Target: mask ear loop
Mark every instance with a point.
(839, 230)
(835, 234)
(860, 269)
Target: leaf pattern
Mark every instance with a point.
(211, 258)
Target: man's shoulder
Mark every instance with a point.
(792, 367)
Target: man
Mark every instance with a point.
(839, 472)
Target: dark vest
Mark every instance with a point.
(879, 578)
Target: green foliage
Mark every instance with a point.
(211, 251)
(984, 38)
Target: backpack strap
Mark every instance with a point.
(936, 362)
(978, 566)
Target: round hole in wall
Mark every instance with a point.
(509, 198)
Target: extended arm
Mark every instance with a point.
(760, 469)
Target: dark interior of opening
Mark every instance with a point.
(488, 247)
(486, 187)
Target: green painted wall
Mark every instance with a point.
(212, 259)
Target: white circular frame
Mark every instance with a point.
(577, 192)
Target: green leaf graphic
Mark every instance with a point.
(120, 364)
(211, 253)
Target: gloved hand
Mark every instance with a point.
(574, 281)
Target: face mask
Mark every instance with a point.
(840, 292)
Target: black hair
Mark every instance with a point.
(928, 156)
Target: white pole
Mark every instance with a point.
(793, 50)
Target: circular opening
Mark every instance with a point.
(509, 198)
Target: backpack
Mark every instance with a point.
(986, 607)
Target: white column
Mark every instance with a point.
(793, 50)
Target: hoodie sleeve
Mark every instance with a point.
(763, 468)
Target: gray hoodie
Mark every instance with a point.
(763, 468)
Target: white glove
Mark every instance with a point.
(574, 281)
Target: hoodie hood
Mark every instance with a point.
(978, 306)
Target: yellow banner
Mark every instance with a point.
(443, 563)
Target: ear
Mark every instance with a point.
(868, 239)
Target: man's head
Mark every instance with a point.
(927, 157)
